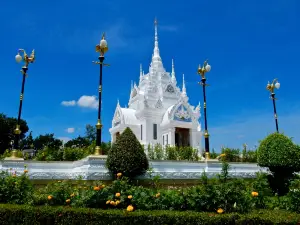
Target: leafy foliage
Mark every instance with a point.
(278, 151)
(282, 157)
(7, 127)
(47, 140)
(127, 156)
(181, 153)
(29, 215)
(15, 189)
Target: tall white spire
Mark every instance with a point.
(173, 73)
(183, 93)
(141, 72)
(183, 86)
(156, 62)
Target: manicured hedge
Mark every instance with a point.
(46, 215)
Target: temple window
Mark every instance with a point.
(154, 131)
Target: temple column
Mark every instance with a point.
(171, 137)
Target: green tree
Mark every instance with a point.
(127, 156)
(90, 133)
(7, 127)
(282, 157)
(78, 142)
(47, 140)
(28, 142)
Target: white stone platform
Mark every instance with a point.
(94, 169)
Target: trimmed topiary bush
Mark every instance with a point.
(280, 155)
(127, 156)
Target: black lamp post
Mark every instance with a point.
(201, 71)
(271, 87)
(27, 59)
(101, 48)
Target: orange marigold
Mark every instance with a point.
(107, 202)
(119, 174)
(50, 197)
(129, 197)
(130, 208)
(96, 188)
(68, 201)
(117, 202)
(118, 194)
(254, 194)
(112, 203)
(220, 211)
(25, 171)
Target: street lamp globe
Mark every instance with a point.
(207, 68)
(277, 85)
(103, 43)
(18, 58)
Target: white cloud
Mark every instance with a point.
(70, 130)
(68, 103)
(64, 139)
(84, 101)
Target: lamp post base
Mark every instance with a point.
(96, 157)
(207, 156)
(14, 156)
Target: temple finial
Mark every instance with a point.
(183, 86)
(141, 70)
(173, 72)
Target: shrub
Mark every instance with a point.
(150, 152)
(159, 152)
(49, 154)
(282, 157)
(171, 152)
(15, 189)
(231, 154)
(127, 156)
(294, 195)
(73, 154)
(27, 215)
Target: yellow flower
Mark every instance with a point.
(50, 197)
(112, 203)
(157, 195)
(222, 155)
(119, 174)
(68, 201)
(129, 196)
(103, 186)
(220, 211)
(130, 208)
(107, 202)
(72, 195)
(96, 188)
(117, 202)
(25, 171)
(118, 194)
(59, 181)
(254, 194)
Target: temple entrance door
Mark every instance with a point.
(182, 137)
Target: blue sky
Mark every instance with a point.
(248, 44)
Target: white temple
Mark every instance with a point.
(158, 111)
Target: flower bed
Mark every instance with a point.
(29, 215)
